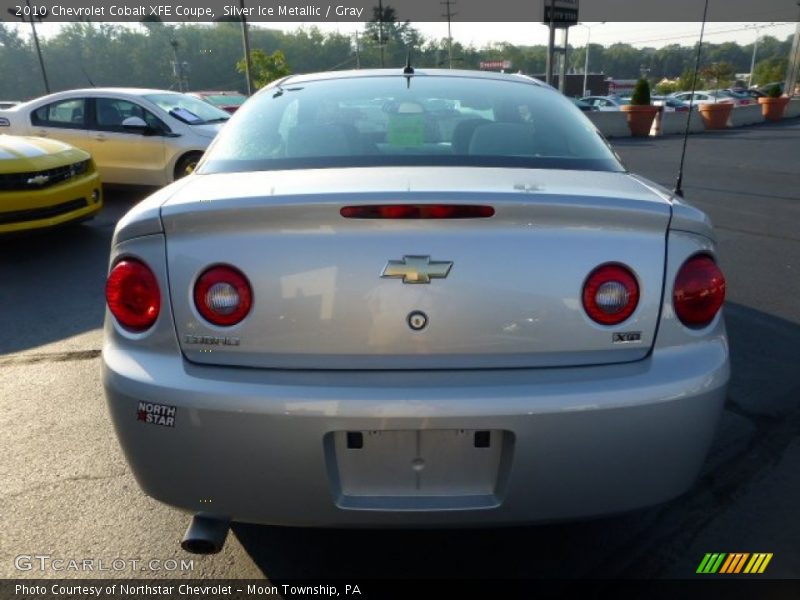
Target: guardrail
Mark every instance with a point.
(614, 123)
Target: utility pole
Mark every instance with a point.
(550, 46)
(248, 66)
(380, 31)
(753, 60)
(449, 15)
(35, 42)
(793, 70)
(358, 53)
(562, 78)
(177, 71)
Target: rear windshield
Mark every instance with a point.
(421, 121)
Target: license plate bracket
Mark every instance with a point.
(418, 469)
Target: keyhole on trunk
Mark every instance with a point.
(417, 320)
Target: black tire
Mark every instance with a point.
(186, 164)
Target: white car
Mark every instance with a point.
(704, 97)
(136, 136)
(606, 103)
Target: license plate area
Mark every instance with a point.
(418, 469)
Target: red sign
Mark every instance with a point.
(490, 65)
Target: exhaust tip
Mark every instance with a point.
(195, 546)
(205, 535)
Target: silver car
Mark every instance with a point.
(135, 136)
(359, 311)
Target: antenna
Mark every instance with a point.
(408, 71)
(449, 15)
(679, 183)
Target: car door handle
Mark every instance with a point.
(100, 137)
(41, 133)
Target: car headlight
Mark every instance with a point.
(80, 168)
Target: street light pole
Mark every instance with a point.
(753, 61)
(586, 62)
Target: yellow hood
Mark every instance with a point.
(26, 154)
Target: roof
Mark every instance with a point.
(94, 91)
(418, 72)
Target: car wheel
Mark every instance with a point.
(186, 164)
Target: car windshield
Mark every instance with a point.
(389, 120)
(225, 99)
(188, 109)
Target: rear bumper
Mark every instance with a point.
(253, 445)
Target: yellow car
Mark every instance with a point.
(45, 183)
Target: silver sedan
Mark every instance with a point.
(422, 298)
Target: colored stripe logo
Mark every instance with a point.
(734, 563)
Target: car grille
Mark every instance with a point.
(34, 214)
(38, 180)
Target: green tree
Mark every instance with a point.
(718, 75)
(265, 67)
(769, 71)
(667, 88)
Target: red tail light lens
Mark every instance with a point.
(610, 294)
(223, 296)
(417, 211)
(699, 291)
(132, 295)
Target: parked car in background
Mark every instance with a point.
(135, 136)
(741, 98)
(45, 183)
(703, 97)
(227, 101)
(670, 104)
(752, 92)
(606, 103)
(406, 317)
(584, 106)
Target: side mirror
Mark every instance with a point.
(135, 125)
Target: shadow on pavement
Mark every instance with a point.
(61, 271)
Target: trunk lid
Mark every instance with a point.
(512, 297)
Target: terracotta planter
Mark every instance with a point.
(772, 108)
(640, 118)
(715, 116)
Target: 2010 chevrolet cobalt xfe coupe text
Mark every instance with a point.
(413, 298)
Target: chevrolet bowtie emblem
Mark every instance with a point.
(416, 269)
(38, 180)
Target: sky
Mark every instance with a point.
(482, 34)
(637, 34)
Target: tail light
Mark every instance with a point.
(223, 296)
(417, 211)
(699, 291)
(132, 295)
(610, 294)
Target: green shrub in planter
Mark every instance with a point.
(641, 93)
(774, 92)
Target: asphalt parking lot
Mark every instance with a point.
(66, 492)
